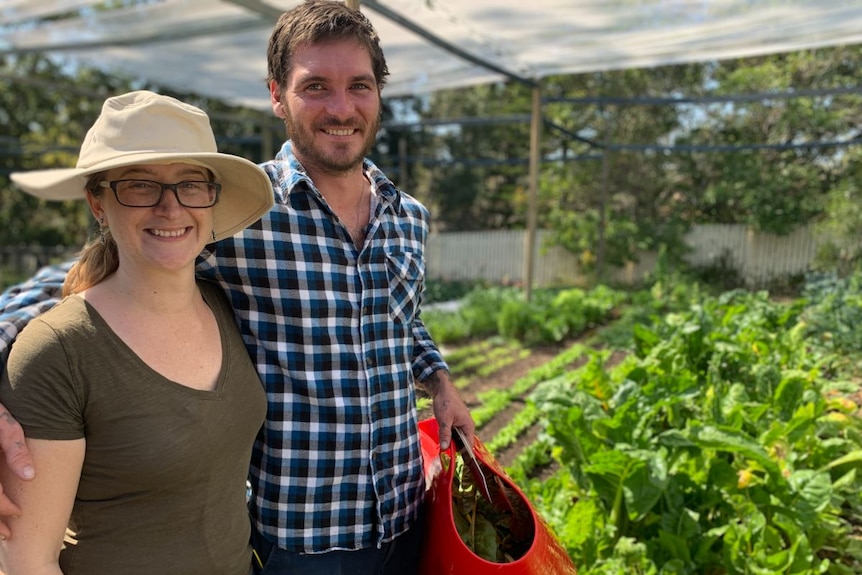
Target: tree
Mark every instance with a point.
(783, 184)
(46, 111)
(633, 158)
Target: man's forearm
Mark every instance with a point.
(434, 383)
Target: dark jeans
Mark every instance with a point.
(398, 557)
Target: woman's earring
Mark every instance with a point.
(213, 235)
(102, 231)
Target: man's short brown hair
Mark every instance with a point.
(318, 21)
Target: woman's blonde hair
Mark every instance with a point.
(99, 258)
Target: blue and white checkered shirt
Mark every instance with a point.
(336, 335)
(21, 303)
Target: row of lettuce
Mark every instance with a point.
(726, 439)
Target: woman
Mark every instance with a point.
(137, 395)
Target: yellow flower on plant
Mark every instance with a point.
(744, 477)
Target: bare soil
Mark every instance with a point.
(504, 378)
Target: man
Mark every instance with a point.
(327, 288)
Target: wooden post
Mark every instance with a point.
(603, 202)
(352, 4)
(532, 208)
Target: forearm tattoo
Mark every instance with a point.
(434, 381)
(6, 417)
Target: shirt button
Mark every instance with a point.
(369, 361)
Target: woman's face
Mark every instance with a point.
(167, 236)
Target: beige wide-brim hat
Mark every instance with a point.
(142, 127)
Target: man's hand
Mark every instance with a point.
(449, 408)
(18, 461)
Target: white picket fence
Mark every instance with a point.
(498, 256)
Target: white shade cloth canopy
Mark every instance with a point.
(218, 48)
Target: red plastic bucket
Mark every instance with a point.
(445, 553)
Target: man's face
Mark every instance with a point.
(331, 106)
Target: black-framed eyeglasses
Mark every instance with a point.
(148, 193)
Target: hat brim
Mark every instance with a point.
(245, 197)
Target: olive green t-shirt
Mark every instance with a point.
(163, 486)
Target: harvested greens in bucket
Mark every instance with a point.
(496, 532)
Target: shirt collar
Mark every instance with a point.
(296, 178)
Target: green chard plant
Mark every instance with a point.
(718, 447)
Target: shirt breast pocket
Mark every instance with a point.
(406, 273)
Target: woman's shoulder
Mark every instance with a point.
(68, 315)
(52, 336)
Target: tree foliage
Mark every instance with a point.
(631, 158)
(43, 128)
(46, 109)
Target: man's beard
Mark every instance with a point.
(337, 162)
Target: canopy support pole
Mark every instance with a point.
(532, 207)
